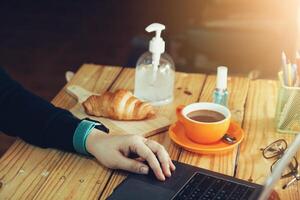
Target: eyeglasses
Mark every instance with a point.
(276, 150)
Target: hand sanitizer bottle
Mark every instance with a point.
(221, 94)
(155, 71)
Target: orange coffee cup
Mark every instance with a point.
(204, 132)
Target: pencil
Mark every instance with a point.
(284, 68)
(298, 62)
(289, 74)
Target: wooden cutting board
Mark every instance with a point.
(144, 128)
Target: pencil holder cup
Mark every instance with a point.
(288, 108)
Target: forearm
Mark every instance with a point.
(33, 119)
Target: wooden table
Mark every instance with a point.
(29, 172)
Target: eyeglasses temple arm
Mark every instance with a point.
(296, 178)
(280, 166)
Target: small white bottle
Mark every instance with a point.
(220, 95)
(155, 71)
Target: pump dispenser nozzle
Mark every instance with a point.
(155, 27)
(157, 44)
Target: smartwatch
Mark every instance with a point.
(98, 125)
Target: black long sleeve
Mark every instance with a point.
(33, 119)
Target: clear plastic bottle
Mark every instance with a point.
(153, 86)
(155, 72)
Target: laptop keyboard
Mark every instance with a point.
(205, 187)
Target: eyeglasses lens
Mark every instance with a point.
(275, 149)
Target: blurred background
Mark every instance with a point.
(41, 40)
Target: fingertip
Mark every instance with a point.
(160, 175)
(162, 178)
(166, 169)
(168, 174)
(172, 166)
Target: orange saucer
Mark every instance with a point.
(177, 134)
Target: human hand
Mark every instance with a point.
(113, 150)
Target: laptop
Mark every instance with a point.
(189, 182)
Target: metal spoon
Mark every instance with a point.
(228, 139)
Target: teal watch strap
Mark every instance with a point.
(83, 129)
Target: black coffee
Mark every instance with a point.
(206, 116)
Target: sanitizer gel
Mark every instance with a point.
(155, 71)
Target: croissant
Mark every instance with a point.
(120, 105)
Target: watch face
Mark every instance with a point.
(99, 125)
(92, 120)
(103, 128)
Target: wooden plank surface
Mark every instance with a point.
(259, 124)
(187, 90)
(27, 171)
(79, 177)
(225, 163)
